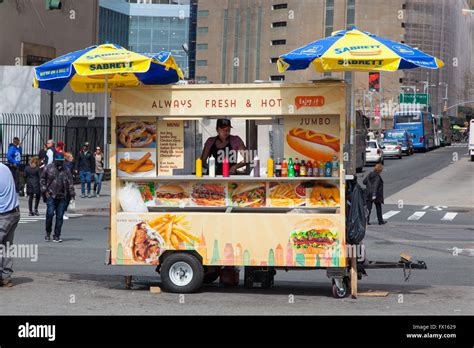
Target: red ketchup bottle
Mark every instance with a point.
(225, 168)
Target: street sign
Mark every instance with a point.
(411, 98)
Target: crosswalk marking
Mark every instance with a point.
(449, 216)
(29, 219)
(416, 215)
(390, 213)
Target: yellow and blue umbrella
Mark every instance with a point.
(95, 67)
(356, 50)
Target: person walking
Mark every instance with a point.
(85, 165)
(99, 170)
(9, 218)
(42, 155)
(33, 190)
(69, 165)
(14, 161)
(374, 186)
(60, 146)
(50, 152)
(56, 185)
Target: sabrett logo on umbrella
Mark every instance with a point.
(359, 62)
(106, 66)
(340, 50)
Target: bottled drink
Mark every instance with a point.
(335, 167)
(291, 168)
(302, 168)
(284, 168)
(212, 166)
(270, 166)
(225, 167)
(328, 169)
(321, 168)
(297, 167)
(278, 168)
(256, 168)
(309, 168)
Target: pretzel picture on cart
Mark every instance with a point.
(136, 134)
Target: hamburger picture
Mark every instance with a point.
(314, 236)
(209, 195)
(170, 194)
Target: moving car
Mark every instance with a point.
(391, 148)
(403, 137)
(373, 152)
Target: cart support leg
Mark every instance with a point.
(353, 277)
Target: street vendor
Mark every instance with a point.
(224, 145)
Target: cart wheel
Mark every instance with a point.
(181, 273)
(343, 291)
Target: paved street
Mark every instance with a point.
(441, 235)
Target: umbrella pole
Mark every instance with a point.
(106, 162)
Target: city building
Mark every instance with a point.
(240, 41)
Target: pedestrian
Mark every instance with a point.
(69, 165)
(50, 152)
(14, 161)
(9, 218)
(374, 186)
(56, 185)
(85, 165)
(370, 135)
(33, 190)
(42, 155)
(60, 146)
(99, 170)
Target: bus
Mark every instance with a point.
(420, 125)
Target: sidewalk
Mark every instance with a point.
(88, 206)
(452, 186)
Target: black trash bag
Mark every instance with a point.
(356, 219)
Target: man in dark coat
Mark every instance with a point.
(374, 185)
(85, 165)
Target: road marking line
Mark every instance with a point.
(449, 216)
(425, 207)
(389, 214)
(417, 215)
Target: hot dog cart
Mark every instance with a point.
(194, 225)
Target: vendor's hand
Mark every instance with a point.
(233, 170)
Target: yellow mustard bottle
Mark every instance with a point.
(199, 167)
(270, 168)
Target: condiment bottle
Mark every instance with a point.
(303, 168)
(278, 168)
(321, 168)
(225, 167)
(284, 168)
(270, 168)
(297, 167)
(335, 166)
(291, 168)
(328, 169)
(256, 167)
(212, 166)
(199, 167)
(309, 168)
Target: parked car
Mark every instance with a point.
(391, 148)
(373, 152)
(403, 137)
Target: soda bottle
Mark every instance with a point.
(297, 167)
(303, 168)
(328, 169)
(309, 168)
(291, 168)
(284, 168)
(321, 168)
(335, 166)
(278, 168)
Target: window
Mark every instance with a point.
(201, 63)
(279, 6)
(278, 24)
(203, 13)
(274, 60)
(202, 46)
(277, 78)
(203, 30)
(278, 42)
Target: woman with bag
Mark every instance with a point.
(33, 189)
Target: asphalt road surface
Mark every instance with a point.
(71, 278)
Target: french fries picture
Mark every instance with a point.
(140, 165)
(174, 231)
(284, 195)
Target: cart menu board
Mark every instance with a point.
(170, 146)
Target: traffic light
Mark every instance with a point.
(53, 4)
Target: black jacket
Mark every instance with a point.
(50, 183)
(85, 162)
(33, 180)
(374, 184)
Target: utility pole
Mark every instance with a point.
(51, 114)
